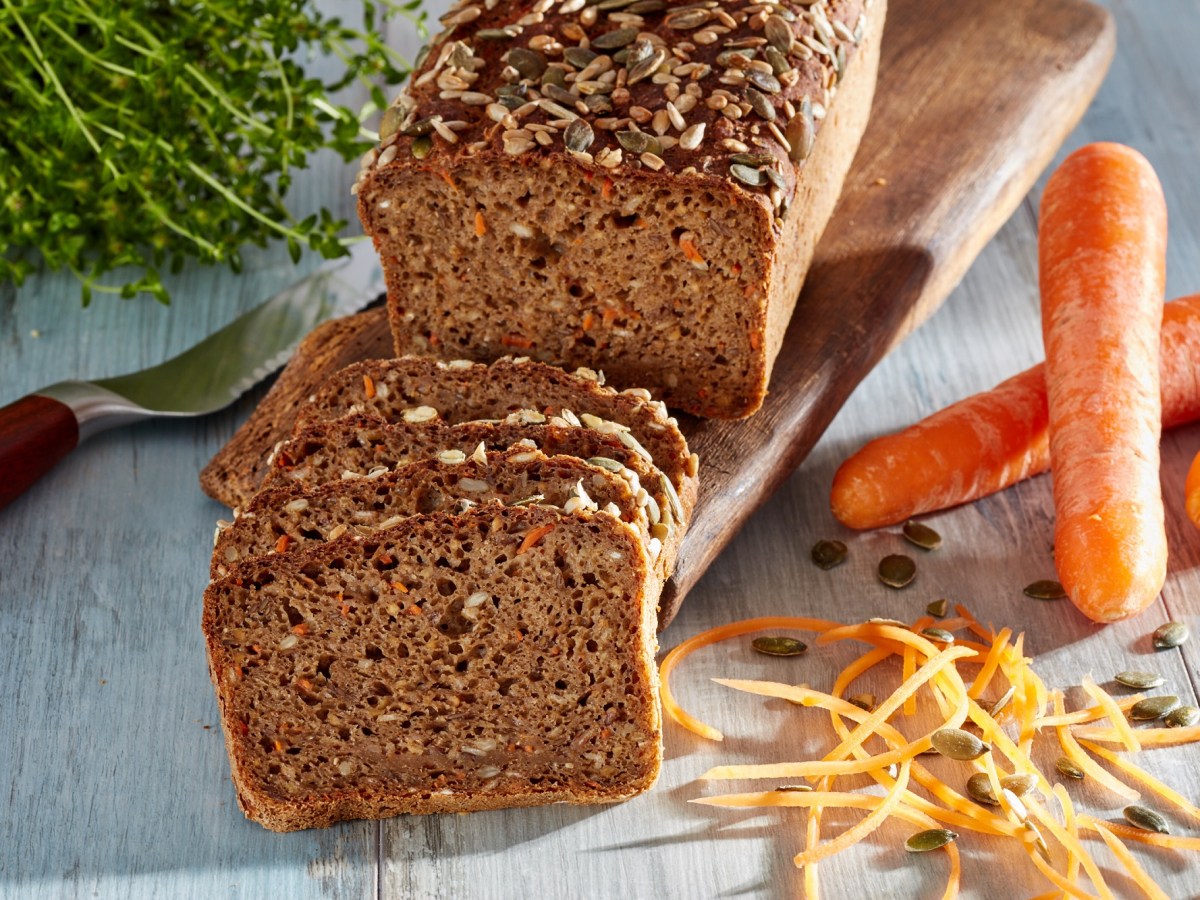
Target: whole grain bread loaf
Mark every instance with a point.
(638, 190)
(290, 520)
(413, 387)
(363, 446)
(501, 657)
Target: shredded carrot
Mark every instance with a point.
(1088, 714)
(1072, 845)
(1166, 841)
(860, 830)
(281, 545)
(1068, 809)
(480, 224)
(1137, 773)
(1093, 690)
(985, 634)
(908, 667)
(1074, 752)
(990, 664)
(1136, 872)
(606, 189)
(690, 252)
(368, 386)
(1159, 737)
(534, 536)
(516, 340)
(589, 320)
(400, 586)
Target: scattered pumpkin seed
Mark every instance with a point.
(938, 634)
(779, 33)
(1146, 819)
(921, 535)
(1066, 766)
(958, 744)
(828, 554)
(1170, 635)
(897, 570)
(793, 788)
(938, 608)
(747, 175)
(1182, 717)
(646, 67)
(764, 81)
(801, 132)
(528, 63)
(615, 40)
(1153, 708)
(778, 61)
(1045, 590)
(863, 701)
(687, 19)
(1139, 681)
(979, 789)
(579, 136)
(932, 839)
(755, 160)
(421, 146)
(1020, 784)
(1005, 699)
(639, 142)
(760, 104)
(579, 57)
(779, 646)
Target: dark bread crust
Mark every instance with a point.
(342, 697)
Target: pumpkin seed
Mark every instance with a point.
(779, 646)
(760, 104)
(933, 839)
(1019, 785)
(779, 33)
(1153, 708)
(559, 94)
(579, 57)
(778, 61)
(938, 634)
(828, 554)
(775, 178)
(644, 68)
(421, 146)
(687, 19)
(1045, 590)
(958, 744)
(615, 40)
(1146, 819)
(1066, 766)
(1182, 717)
(419, 127)
(938, 608)
(747, 175)
(897, 571)
(1170, 635)
(979, 789)
(578, 137)
(639, 142)
(554, 75)
(528, 63)
(801, 132)
(793, 788)
(644, 7)
(1004, 700)
(1139, 681)
(752, 159)
(764, 81)
(921, 535)
(863, 701)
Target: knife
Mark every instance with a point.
(38, 430)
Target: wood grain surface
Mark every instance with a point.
(114, 775)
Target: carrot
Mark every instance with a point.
(1102, 261)
(994, 439)
(1191, 491)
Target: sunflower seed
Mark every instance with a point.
(764, 80)
(979, 789)
(958, 744)
(1139, 681)
(1019, 785)
(1182, 717)
(1146, 819)
(528, 63)
(615, 40)
(1045, 590)
(938, 634)
(878, 620)
(494, 34)
(938, 608)
(1153, 708)
(828, 554)
(1005, 699)
(1038, 841)
(639, 142)
(645, 7)
(1170, 635)
(863, 701)
(933, 839)
(646, 67)
(921, 535)
(578, 136)
(1066, 766)
(419, 127)
(779, 33)
(687, 19)
(793, 788)
(560, 95)
(897, 571)
(801, 132)
(747, 175)
(779, 646)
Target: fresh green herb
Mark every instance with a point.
(139, 133)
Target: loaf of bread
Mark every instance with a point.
(633, 187)
(461, 391)
(501, 657)
(291, 520)
(363, 446)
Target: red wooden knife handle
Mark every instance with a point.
(35, 433)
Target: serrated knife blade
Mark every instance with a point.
(39, 429)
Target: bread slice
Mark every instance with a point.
(233, 475)
(461, 391)
(290, 520)
(639, 191)
(502, 657)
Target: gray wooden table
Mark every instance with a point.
(114, 777)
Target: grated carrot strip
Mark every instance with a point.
(910, 666)
(812, 838)
(990, 664)
(1157, 737)
(1167, 841)
(1136, 872)
(1137, 773)
(1064, 801)
(1075, 753)
(1128, 738)
(534, 536)
(980, 631)
(1088, 714)
(722, 632)
(1072, 845)
(859, 830)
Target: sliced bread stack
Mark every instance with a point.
(444, 597)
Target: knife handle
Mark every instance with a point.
(35, 433)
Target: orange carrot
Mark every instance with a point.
(1191, 491)
(994, 439)
(1102, 262)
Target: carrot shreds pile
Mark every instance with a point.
(1043, 822)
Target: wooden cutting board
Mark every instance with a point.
(974, 98)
